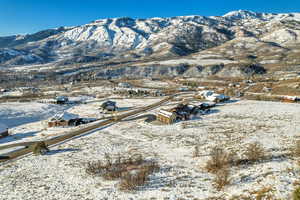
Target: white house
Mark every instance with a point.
(212, 96)
(124, 85)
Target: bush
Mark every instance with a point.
(222, 179)
(132, 179)
(219, 160)
(263, 193)
(40, 148)
(133, 171)
(196, 152)
(254, 152)
(296, 194)
(296, 149)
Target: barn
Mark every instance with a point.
(166, 117)
(3, 130)
(61, 119)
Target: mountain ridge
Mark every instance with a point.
(138, 40)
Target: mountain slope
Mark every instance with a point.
(241, 36)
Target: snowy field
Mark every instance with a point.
(28, 121)
(16, 114)
(61, 174)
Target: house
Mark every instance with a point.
(109, 106)
(166, 117)
(201, 87)
(2, 90)
(290, 99)
(182, 111)
(212, 96)
(266, 89)
(217, 98)
(183, 89)
(124, 85)
(62, 100)
(205, 93)
(157, 93)
(24, 90)
(3, 130)
(62, 119)
(79, 121)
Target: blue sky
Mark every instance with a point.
(28, 16)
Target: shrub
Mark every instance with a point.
(138, 177)
(39, 148)
(196, 152)
(219, 160)
(296, 194)
(133, 171)
(255, 152)
(263, 193)
(222, 179)
(296, 149)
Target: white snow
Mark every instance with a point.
(15, 114)
(61, 174)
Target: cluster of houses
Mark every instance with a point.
(67, 119)
(127, 89)
(61, 100)
(131, 92)
(183, 112)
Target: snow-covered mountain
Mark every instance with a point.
(127, 39)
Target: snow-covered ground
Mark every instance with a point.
(28, 121)
(61, 174)
(15, 114)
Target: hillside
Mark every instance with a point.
(239, 37)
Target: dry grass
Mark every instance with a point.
(219, 164)
(295, 151)
(296, 194)
(132, 171)
(222, 179)
(219, 160)
(265, 193)
(39, 148)
(262, 98)
(196, 152)
(133, 178)
(255, 152)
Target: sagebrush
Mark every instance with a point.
(132, 171)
